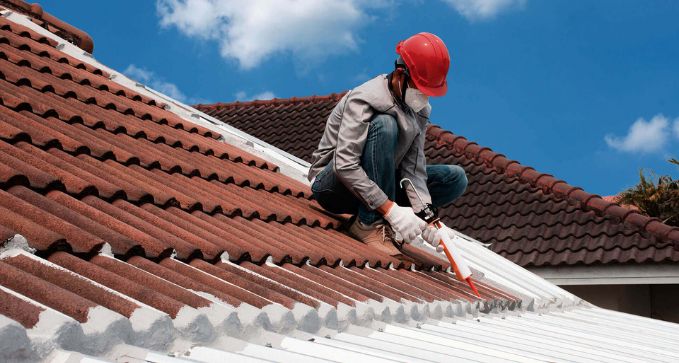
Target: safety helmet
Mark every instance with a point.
(426, 57)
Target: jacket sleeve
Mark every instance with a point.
(351, 138)
(414, 167)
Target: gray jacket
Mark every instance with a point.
(345, 135)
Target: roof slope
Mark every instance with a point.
(130, 233)
(73, 140)
(531, 218)
(121, 222)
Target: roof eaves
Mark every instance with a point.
(610, 274)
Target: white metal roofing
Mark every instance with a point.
(611, 274)
(556, 327)
(577, 334)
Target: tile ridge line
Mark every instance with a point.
(561, 250)
(275, 101)
(35, 11)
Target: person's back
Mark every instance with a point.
(374, 137)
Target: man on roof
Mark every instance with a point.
(374, 138)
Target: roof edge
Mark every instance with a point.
(548, 183)
(76, 36)
(275, 101)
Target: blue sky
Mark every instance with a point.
(586, 91)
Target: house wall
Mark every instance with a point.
(656, 301)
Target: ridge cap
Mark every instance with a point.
(274, 101)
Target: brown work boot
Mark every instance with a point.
(377, 235)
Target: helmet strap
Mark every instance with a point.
(400, 63)
(405, 84)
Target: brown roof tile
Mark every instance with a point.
(136, 276)
(142, 293)
(47, 293)
(529, 217)
(19, 310)
(87, 165)
(74, 284)
(49, 22)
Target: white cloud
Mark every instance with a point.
(676, 128)
(643, 136)
(145, 76)
(252, 31)
(475, 10)
(243, 96)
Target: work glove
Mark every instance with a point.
(404, 221)
(431, 236)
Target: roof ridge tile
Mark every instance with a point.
(274, 101)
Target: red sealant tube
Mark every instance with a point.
(462, 271)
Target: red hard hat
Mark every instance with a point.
(427, 59)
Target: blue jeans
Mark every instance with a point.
(445, 182)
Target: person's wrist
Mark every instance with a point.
(385, 207)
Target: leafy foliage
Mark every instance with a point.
(658, 199)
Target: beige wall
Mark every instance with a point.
(656, 301)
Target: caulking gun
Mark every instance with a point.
(462, 271)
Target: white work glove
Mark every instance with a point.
(431, 236)
(404, 221)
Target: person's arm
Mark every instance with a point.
(351, 138)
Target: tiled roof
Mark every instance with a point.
(73, 142)
(121, 222)
(531, 218)
(291, 124)
(128, 233)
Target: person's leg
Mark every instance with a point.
(445, 183)
(378, 161)
(331, 194)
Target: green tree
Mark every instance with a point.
(655, 196)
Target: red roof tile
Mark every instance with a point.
(18, 309)
(56, 297)
(171, 285)
(530, 217)
(88, 166)
(51, 23)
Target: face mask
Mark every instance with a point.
(415, 99)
